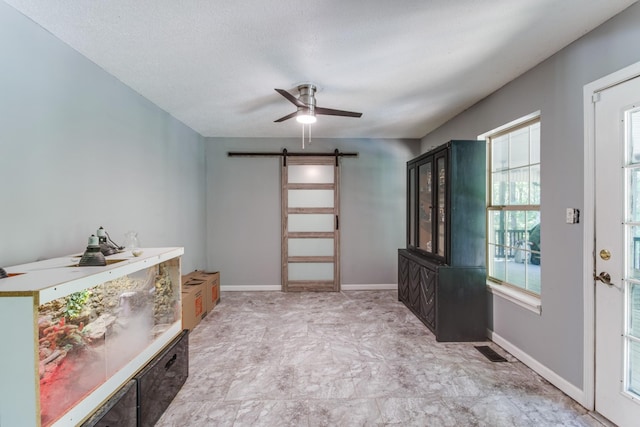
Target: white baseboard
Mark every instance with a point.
(566, 387)
(371, 287)
(251, 288)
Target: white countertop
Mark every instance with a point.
(57, 277)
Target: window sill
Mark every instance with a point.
(530, 302)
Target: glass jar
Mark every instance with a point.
(132, 244)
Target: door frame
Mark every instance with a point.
(590, 94)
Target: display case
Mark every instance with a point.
(441, 273)
(75, 335)
(446, 203)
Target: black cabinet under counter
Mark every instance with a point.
(160, 381)
(121, 410)
(450, 301)
(143, 399)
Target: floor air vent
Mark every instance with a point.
(490, 353)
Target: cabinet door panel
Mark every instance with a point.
(425, 206)
(414, 286)
(428, 296)
(411, 207)
(403, 279)
(441, 205)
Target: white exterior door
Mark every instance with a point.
(617, 253)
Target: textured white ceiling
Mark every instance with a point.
(407, 65)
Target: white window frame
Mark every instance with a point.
(514, 294)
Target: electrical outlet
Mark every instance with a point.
(573, 216)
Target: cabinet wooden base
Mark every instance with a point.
(450, 301)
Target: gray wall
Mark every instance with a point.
(243, 208)
(555, 87)
(79, 150)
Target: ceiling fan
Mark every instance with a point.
(307, 109)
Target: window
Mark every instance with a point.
(513, 208)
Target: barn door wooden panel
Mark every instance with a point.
(310, 224)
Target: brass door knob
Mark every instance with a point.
(605, 254)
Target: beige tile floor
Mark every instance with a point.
(355, 358)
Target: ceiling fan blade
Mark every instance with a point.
(332, 112)
(295, 101)
(287, 117)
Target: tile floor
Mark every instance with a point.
(355, 358)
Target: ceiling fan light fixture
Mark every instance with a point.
(306, 118)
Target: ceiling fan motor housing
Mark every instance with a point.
(307, 96)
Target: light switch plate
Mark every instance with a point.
(573, 216)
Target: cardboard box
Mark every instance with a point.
(211, 285)
(188, 277)
(193, 305)
(193, 281)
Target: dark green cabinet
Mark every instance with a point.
(441, 273)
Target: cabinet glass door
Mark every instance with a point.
(441, 173)
(425, 203)
(411, 208)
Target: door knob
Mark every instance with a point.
(605, 254)
(604, 277)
